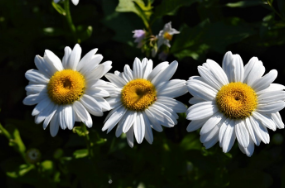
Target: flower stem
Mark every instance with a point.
(69, 19)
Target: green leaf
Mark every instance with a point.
(47, 166)
(143, 10)
(168, 6)
(243, 4)
(81, 131)
(58, 8)
(80, 153)
(84, 32)
(20, 171)
(194, 42)
(190, 142)
(121, 24)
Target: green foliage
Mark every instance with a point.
(196, 41)
(143, 10)
(87, 157)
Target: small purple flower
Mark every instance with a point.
(139, 35)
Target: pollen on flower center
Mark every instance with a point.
(167, 36)
(138, 94)
(66, 86)
(236, 100)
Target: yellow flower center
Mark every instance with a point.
(167, 36)
(66, 86)
(236, 100)
(138, 94)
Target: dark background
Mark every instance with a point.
(209, 28)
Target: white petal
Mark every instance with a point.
(222, 130)
(69, 116)
(128, 74)
(114, 102)
(53, 61)
(228, 65)
(271, 96)
(102, 103)
(166, 74)
(267, 121)
(34, 98)
(229, 137)
(248, 150)
(157, 70)
(119, 129)
(210, 135)
(209, 78)
(272, 87)
(75, 2)
(211, 142)
(43, 66)
(99, 71)
(253, 71)
(265, 81)
(114, 118)
(45, 113)
(54, 125)
(148, 131)
(172, 88)
(35, 88)
(74, 58)
(41, 106)
(172, 103)
(95, 92)
(165, 110)
(271, 107)
(138, 70)
(252, 133)
(49, 118)
(65, 59)
(130, 119)
(89, 60)
(201, 110)
(91, 105)
(277, 120)
(86, 66)
(82, 113)
(118, 81)
(217, 71)
(241, 133)
(139, 128)
(212, 122)
(195, 100)
(201, 90)
(154, 122)
(260, 130)
(148, 69)
(194, 125)
(130, 137)
(163, 118)
(36, 77)
(238, 68)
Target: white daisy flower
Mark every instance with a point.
(144, 100)
(166, 35)
(235, 102)
(75, 2)
(67, 91)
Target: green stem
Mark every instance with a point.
(88, 143)
(69, 19)
(5, 132)
(269, 3)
